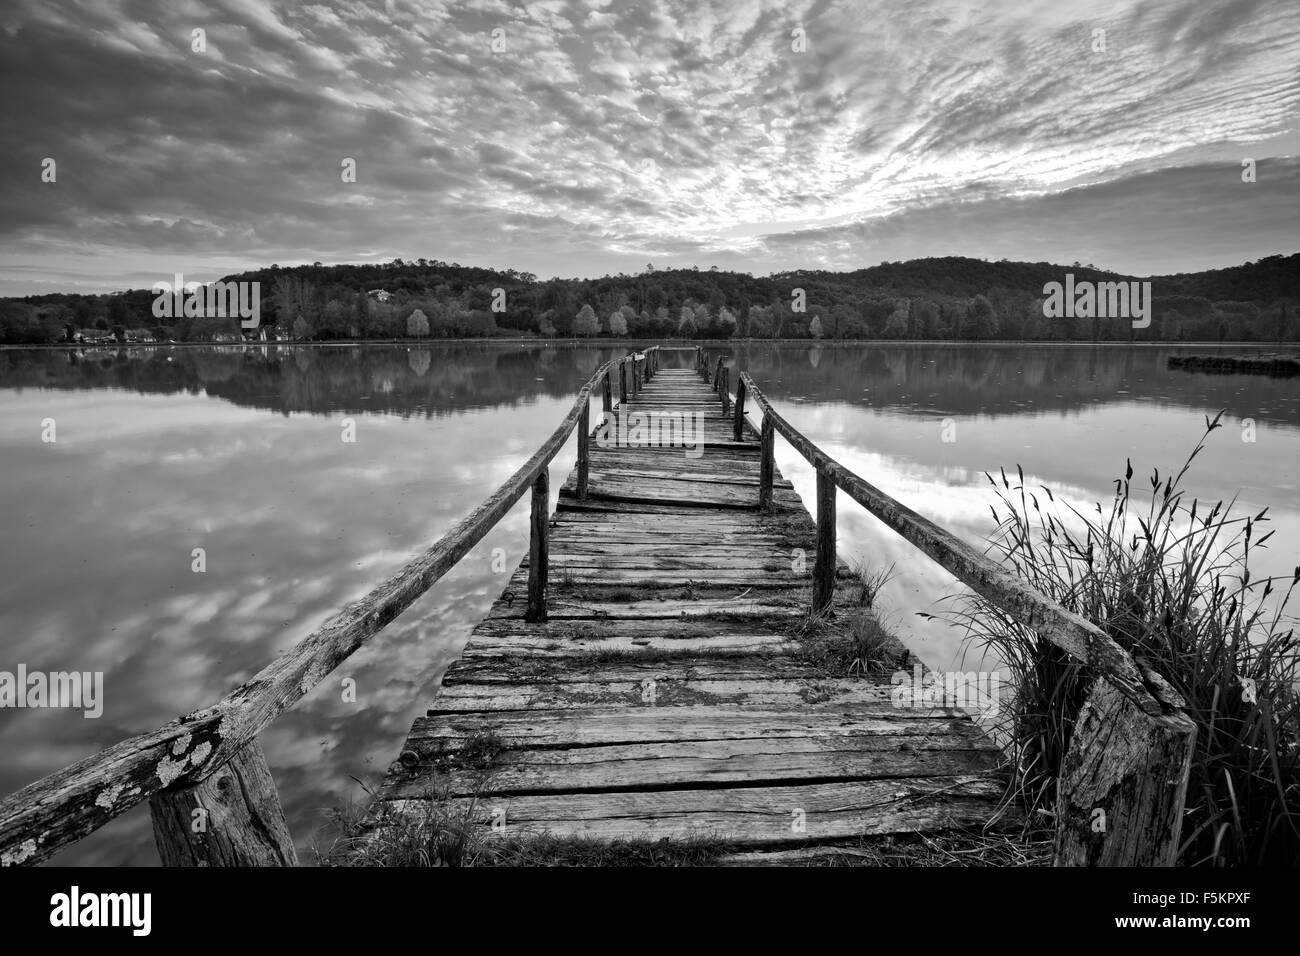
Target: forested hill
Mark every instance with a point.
(943, 298)
(1274, 278)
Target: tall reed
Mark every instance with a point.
(1171, 582)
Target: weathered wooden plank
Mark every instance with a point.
(580, 548)
(566, 608)
(668, 766)
(611, 725)
(748, 815)
(667, 628)
(762, 663)
(671, 686)
(680, 491)
(635, 474)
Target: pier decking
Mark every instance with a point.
(670, 694)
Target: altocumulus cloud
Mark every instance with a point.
(598, 136)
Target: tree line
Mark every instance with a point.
(923, 299)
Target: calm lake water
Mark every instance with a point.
(239, 452)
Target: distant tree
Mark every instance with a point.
(335, 315)
(480, 323)
(815, 327)
(686, 326)
(662, 323)
(726, 323)
(983, 322)
(544, 324)
(301, 328)
(703, 319)
(896, 324)
(417, 324)
(617, 323)
(119, 313)
(585, 322)
(841, 319)
(782, 317)
(927, 319)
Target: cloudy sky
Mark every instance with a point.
(584, 138)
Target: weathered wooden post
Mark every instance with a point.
(231, 818)
(1123, 782)
(717, 373)
(538, 549)
(767, 463)
(725, 391)
(584, 448)
(824, 566)
(609, 391)
(622, 383)
(738, 432)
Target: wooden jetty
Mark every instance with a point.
(645, 674)
(667, 693)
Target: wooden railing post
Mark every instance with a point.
(232, 818)
(608, 398)
(724, 391)
(824, 566)
(622, 383)
(1123, 805)
(584, 449)
(738, 432)
(767, 464)
(538, 549)
(717, 373)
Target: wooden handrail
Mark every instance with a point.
(1082, 639)
(1140, 787)
(66, 805)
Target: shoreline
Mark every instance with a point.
(636, 343)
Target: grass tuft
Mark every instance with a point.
(1170, 581)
